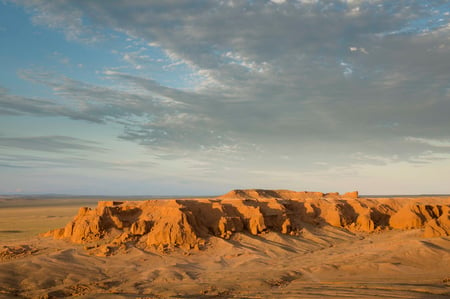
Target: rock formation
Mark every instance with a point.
(188, 223)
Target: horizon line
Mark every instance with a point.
(156, 196)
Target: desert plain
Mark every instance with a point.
(244, 244)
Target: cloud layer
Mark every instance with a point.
(309, 84)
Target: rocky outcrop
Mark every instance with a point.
(11, 252)
(434, 218)
(187, 224)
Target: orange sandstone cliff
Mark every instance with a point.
(188, 223)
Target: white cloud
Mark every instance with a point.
(63, 16)
(356, 49)
(445, 143)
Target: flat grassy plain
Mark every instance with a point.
(22, 218)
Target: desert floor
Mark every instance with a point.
(325, 262)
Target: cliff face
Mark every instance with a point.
(187, 224)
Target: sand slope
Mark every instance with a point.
(319, 254)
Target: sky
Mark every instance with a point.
(191, 97)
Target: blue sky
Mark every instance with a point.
(199, 97)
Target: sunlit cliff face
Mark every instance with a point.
(166, 225)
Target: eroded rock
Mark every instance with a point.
(187, 224)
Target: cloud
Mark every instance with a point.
(317, 81)
(431, 142)
(49, 144)
(65, 17)
(151, 114)
(32, 162)
(17, 105)
(64, 152)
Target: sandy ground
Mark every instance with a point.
(323, 262)
(22, 218)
